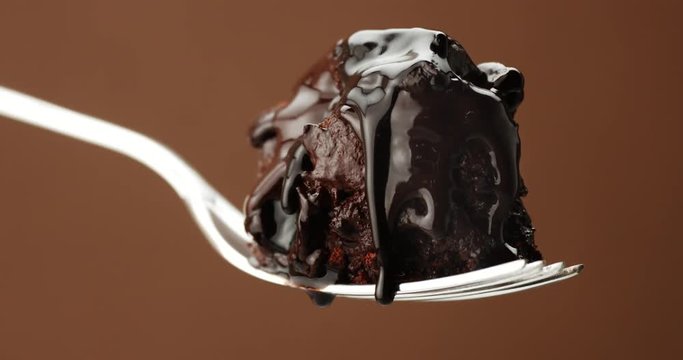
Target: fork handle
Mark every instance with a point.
(221, 222)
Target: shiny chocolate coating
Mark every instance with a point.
(397, 160)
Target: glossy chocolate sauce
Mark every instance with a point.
(438, 154)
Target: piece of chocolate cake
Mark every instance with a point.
(396, 160)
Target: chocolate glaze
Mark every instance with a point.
(399, 125)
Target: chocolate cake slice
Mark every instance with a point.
(396, 160)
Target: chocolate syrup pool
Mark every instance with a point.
(405, 136)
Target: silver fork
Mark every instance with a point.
(222, 223)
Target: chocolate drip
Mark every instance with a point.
(381, 61)
(438, 155)
(320, 298)
(297, 162)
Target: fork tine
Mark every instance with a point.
(492, 273)
(547, 272)
(487, 274)
(461, 283)
(529, 271)
(563, 274)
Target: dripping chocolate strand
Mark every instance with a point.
(297, 162)
(374, 94)
(321, 299)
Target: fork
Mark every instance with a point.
(222, 223)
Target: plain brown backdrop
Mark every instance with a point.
(100, 260)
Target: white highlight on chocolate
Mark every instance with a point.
(394, 59)
(399, 152)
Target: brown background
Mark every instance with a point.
(100, 260)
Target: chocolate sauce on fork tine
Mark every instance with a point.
(321, 299)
